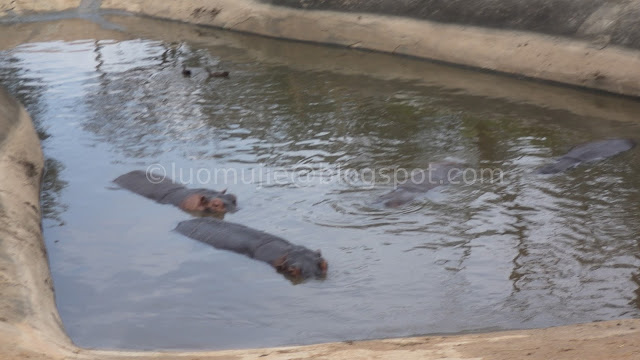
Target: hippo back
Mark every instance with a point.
(437, 174)
(274, 250)
(600, 149)
(139, 182)
(588, 152)
(166, 191)
(224, 235)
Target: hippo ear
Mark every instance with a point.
(223, 192)
(319, 252)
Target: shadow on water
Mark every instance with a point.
(308, 142)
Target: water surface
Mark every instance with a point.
(530, 251)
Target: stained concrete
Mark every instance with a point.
(617, 22)
(30, 327)
(23, 7)
(9, 111)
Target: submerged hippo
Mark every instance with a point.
(294, 261)
(588, 152)
(168, 192)
(186, 72)
(437, 174)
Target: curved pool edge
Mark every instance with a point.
(27, 306)
(23, 7)
(30, 326)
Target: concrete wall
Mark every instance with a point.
(585, 55)
(27, 307)
(614, 22)
(22, 7)
(30, 327)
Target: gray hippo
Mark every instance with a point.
(588, 152)
(440, 173)
(166, 191)
(294, 261)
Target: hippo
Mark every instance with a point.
(593, 151)
(440, 173)
(166, 191)
(295, 262)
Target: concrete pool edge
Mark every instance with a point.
(27, 306)
(30, 325)
(22, 7)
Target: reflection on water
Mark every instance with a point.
(52, 186)
(31, 95)
(530, 251)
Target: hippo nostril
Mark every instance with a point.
(217, 205)
(295, 272)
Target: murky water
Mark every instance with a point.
(291, 121)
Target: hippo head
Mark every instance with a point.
(301, 263)
(398, 197)
(223, 202)
(219, 204)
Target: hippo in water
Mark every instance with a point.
(441, 173)
(294, 261)
(165, 191)
(588, 152)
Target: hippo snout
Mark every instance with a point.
(229, 201)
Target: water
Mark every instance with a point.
(530, 251)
